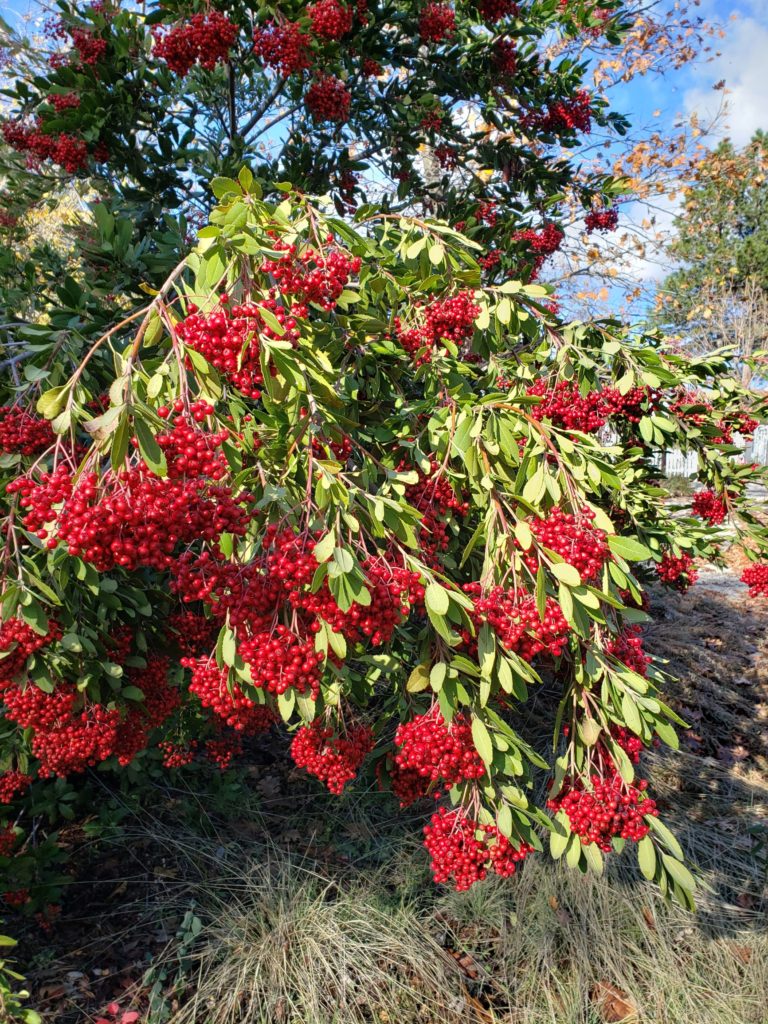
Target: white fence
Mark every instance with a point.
(675, 463)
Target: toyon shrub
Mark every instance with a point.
(328, 480)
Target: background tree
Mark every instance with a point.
(719, 295)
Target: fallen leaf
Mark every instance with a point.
(650, 920)
(743, 953)
(613, 1005)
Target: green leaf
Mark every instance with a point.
(567, 574)
(324, 548)
(150, 450)
(418, 680)
(667, 837)
(132, 693)
(646, 858)
(436, 599)
(679, 872)
(523, 534)
(482, 740)
(52, 403)
(504, 820)
(629, 548)
(222, 187)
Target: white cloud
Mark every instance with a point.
(743, 63)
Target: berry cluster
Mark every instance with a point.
(437, 22)
(447, 156)
(205, 40)
(66, 150)
(541, 244)
(434, 497)
(90, 47)
(678, 573)
(229, 340)
(64, 101)
(492, 11)
(12, 784)
(628, 648)
(283, 47)
(328, 99)
(514, 617)
(210, 684)
(18, 642)
(604, 808)
(504, 58)
(178, 755)
(573, 538)
(191, 452)
(463, 850)
(452, 318)
(279, 660)
(330, 19)
(709, 506)
(602, 220)
(756, 578)
(332, 758)
(437, 751)
(565, 406)
(432, 121)
(132, 518)
(565, 115)
(311, 277)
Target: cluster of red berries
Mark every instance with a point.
(64, 101)
(12, 784)
(756, 578)
(131, 518)
(331, 757)
(90, 47)
(193, 634)
(178, 755)
(72, 733)
(437, 22)
(628, 648)
(677, 572)
(437, 751)
(709, 506)
(602, 220)
(330, 19)
(463, 850)
(371, 68)
(488, 213)
(432, 121)
(191, 452)
(433, 496)
(283, 47)
(514, 618)
(23, 433)
(311, 277)
(452, 318)
(492, 11)
(229, 339)
(7, 840)
(565, 406)
(205, 40)
(541, 244)
(574, 114)
(608, 809)
(490, 259)
(65, 740)
(393, 592)
(447, 156)
(505, 58)
(633, 405)
(18, 642)
(279, 659)
(573, 538)
(210, 684)
(328, 99)
(66, 150)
